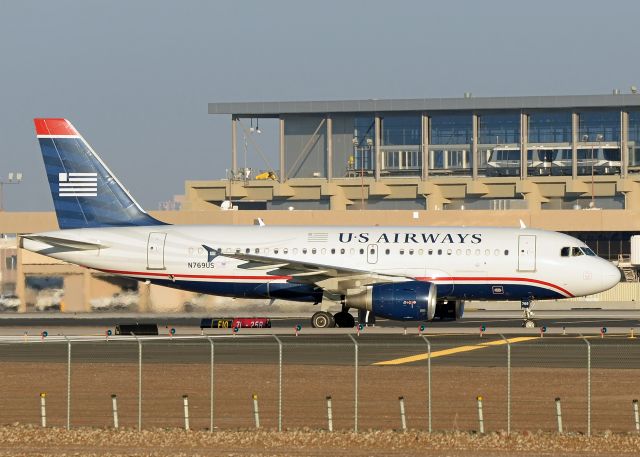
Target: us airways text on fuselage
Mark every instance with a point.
(405, 237)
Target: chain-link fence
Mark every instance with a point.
(338, 382)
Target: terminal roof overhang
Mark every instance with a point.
(275, 109)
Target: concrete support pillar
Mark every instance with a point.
(524, 144)
(234, 143)
(378, 155)
(474, 146)
(575, 138)
(624, 143)
(329, 133)
(283, 170)
(74, 297)
(425, 146)
(20, 282)
(144, 297)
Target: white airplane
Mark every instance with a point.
(402, 273)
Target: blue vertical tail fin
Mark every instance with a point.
(85, 192)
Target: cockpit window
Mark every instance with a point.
(575, 252)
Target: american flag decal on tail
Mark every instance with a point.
(77, 184)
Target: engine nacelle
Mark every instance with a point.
(449, 310)
(409, 300)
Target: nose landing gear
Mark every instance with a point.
(527, 309)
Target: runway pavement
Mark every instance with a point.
(495, 322)
(610, 351)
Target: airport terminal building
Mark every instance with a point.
(536, 153)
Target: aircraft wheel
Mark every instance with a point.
(529, 324)
(322, 319)
(344, 319)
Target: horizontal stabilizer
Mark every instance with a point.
(74, 245)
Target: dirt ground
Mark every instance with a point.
(34, 441)
(305, 387)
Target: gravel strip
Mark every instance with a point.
(23, 440)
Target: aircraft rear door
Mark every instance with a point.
(155, 251)
(372, 253)
(527, 253)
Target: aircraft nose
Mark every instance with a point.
(610, 276)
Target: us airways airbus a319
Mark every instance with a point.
(401, 273)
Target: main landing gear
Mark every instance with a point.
(323, 319)
(527, 319)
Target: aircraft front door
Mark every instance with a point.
(527, 253)
(372, 253)
(155, 251)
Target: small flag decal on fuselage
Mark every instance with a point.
(78, 184)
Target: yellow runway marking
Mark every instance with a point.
(456, 350)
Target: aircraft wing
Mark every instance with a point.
(329, 277)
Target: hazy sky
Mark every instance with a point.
(135, 77)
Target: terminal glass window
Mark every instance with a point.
(634, 139)
(351, 136)
(401, 145)
(454, 128)
(450, 143)
(361, 160)
(550, 127)
(594, 123)
(401, 130)
(499, 128)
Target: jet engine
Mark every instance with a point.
(449, 310)
(409, 300)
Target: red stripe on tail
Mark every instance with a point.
(54, 127)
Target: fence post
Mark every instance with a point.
(114, 407)
(588, 384)
(428, 380)
(480, 414)
(330, 413)
(68, 382)
(279, 382)
(403, 417)
(636, 415)
(211, 393)
(508, 383)
(185, 404)
(355, 387)
(256, 411)
(559, 414)
(43, 409)
(139, 381)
